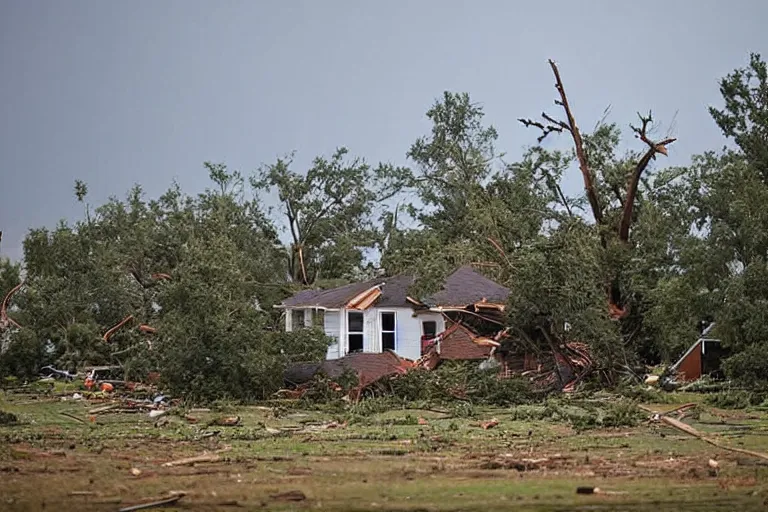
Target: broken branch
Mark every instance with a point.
(5, 320)
(545, 130)
(114, 329)
(654, 147)
(692, 431)
(155, 504)
(211, 457)
(579, 144)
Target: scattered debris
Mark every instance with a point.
(679, 425)
(489, 424)
(156, 413)
(155, 504)
(100, 410)
(208, 457)
(289, 496)
(49, 372)
(229, 421)
(423, 421)
(72, 416)
(596, 490)
(136, 471)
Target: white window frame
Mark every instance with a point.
(382, 331)
(362, 332)
(300, 325)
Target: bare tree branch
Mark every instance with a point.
(555, 125)
(653, 148)
(579, 143)
(545, 130)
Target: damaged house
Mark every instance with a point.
(378, 315)
(381, 331)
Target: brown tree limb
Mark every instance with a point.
(578, 142)
(497, 246)
(300, 251)
(653, 148)
(114, 329)
(5, 320)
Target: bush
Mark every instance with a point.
(24, 356)
(7, 418)
(733, 399)
(452, 381)
(749, 367)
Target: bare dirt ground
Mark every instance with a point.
(282, 457)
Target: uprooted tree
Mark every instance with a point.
(617, 189)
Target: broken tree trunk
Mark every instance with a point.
(552, 124)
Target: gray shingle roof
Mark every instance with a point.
(463, 287)
(467, 286)
(394, 292)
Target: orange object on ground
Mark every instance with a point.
(107, 387)
(89, 382)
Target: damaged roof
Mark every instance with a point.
(456, 344)
(465, 286)
(368, 366)
(394, 292)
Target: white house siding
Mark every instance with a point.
(408, 330)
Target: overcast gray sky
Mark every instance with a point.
(116, 93)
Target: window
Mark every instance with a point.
(387, 331)
(355, 331)
(297, 319)
(429, 329)
(319, 318)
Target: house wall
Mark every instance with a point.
(690, 367)
(408, 330)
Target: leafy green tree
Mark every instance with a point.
(730, 192)
(328, 211)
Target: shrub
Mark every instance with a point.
(452, 381)
(733, 399)
(24, 356)
(749, 367)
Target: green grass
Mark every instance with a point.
(381, 459)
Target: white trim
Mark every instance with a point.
(283, 306)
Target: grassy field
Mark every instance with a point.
(284, 457)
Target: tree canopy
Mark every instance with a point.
(630, 264)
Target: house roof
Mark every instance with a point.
(394, 292)
(457, 344)
(468, 286)
(368, 366)
(463, 287)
